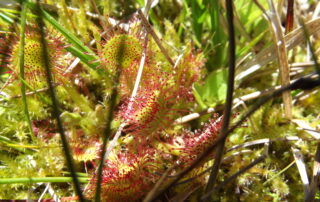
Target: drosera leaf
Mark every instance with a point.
(86, 55)
(125, 46)
(213, 91)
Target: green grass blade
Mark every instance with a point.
(279, 173)
(6, 18)
(219, 38)
(252, 43)
(6, 141)
(78, 174)
(73, 39)
(184, 14)
(79, 50)
(85, 58)
(27, 180)
(196, 11)
(11, 13)
(21, 63)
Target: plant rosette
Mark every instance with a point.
(34, 61)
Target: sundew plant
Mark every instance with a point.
(170, 100)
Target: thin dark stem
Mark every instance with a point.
(108, 131)
(151, 193)
(290, 14)
(55, 105)
(233, 177)
(315, 178)
(101, 19)
(302, 83)
(229, 99)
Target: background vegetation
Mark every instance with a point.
(271, 156)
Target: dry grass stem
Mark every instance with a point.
(155, 37)
(309, 130)
(282, 58)
(133, 95)
(293, 39)
(302, 169)
(28, 93)
(156, 187)
(315, 178)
